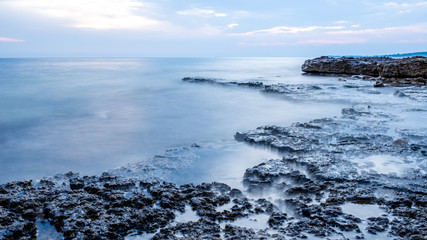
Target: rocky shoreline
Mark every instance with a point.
(351, 176)
(383, 70)
(314, 185)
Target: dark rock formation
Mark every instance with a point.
(110, 207)
(411, 70)
(224, 82)
(312, 183)
(327, 163)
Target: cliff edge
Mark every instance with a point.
(395, 71)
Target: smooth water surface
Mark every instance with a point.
(91, 115)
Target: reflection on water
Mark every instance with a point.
(47, 231)
(91, 115)
(224, 161)
(387, 164)
(365, 211)
(256, 222)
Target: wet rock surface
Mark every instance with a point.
(326, 165)
(335, 161)
(357, 160)
(402, 71)
(109, 207)
(346, 177)
(350, 88)
(224, 82)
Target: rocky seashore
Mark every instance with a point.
(334, 169)
(328, 176)
(353, 176)
(331, 162)
(383, 70)
(109, 207)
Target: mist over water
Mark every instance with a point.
(92, 115)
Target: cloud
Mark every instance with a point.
(205, 31)
(341, 22)
(399, 34)
(94, 14)
(405, 7)
(233, 25)
(327, 35)
(412, 41)
(307, 42)
(288, 30)
(420, 28)
(331, 41)
(4, 39)
(202, 13)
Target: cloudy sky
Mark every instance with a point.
(210, 28)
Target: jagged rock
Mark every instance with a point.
(323, 166)
(411, 70)
(378, 84)
(377, 224)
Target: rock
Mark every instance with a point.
(377, 224)
(325, 164)
(400, 142)
(399, 93)
(236, 232)
(195, 145)
(254, 84)
(411, 70)
(277, 219)
(314, 183)
(235, 193)
(202, 229)
(378, 84)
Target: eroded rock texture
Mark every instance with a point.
(390, 70)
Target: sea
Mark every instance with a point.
(91, 115)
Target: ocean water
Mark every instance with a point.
(92, 115)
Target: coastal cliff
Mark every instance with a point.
(387, 70)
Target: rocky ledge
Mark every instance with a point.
(109, 207)
(385, 70)
(339, 178)
(334, 169)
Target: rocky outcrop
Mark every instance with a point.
(224, 82)
(109, 207)
(348, 177)
(331, 163)
(327, 170)
(411, 70)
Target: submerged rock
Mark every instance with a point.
(255, 84)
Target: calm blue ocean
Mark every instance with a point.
(91, 115)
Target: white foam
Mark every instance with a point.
(385, 164)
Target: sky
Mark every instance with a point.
(210, 28)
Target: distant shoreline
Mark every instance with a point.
(396, 55)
